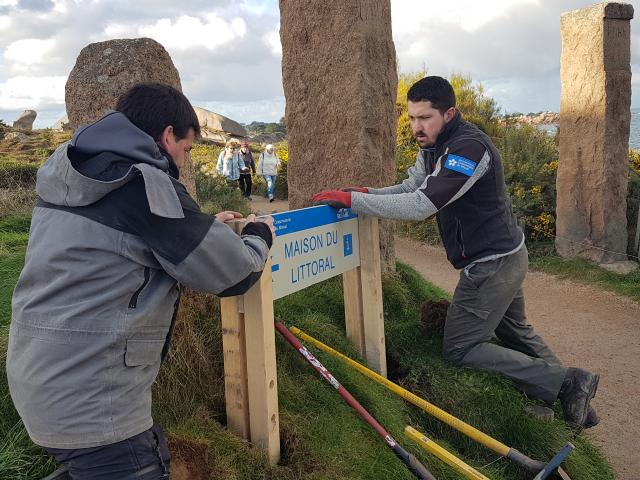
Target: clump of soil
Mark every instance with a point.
(289, 444)
(189, 459)
(433, 315)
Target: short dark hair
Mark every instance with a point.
(436, 90)
(152, 107)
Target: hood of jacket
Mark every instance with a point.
(102, 157)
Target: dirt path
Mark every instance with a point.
(261, 206)
(585, 326)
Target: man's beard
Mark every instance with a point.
(424, 142)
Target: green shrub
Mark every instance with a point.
(216, 194)
(633, 200)
(530, 160)
(475, 106)
(282, 187)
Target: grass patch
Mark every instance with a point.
(583, 271)
(19, 457)
(322, 438)
(14, 234)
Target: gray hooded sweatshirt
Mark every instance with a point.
(112, 237)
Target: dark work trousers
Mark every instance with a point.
(488, 304)
(142, 457)
(245, 184)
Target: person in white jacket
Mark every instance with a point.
(268, 166)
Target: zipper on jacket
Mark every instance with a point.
(429, 154)
(133, 303)
(460, 238)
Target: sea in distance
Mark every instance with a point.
(634, 131)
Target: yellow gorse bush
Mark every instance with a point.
(634, 160)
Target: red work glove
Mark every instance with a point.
(335, 198)
(355, 189)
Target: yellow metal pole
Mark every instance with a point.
(447, 457)
(473, 433)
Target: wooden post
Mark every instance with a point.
(251, 389)
(235, 362)
(235, 368)
(637, 239)
(261, 366)
(353, 317)
(371, 294)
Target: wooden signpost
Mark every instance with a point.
(312, 245)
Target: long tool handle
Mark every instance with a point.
(471, 432)
(409, 460)
(431, 409)
(447, 457)
(554, 463)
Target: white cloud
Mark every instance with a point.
(118, 30)
(272, 40)
(267, 110)
(188, 31)
(60, 6)
(24, 92)
(28, 53)
(259, 7)
(228, 52)
(469, 15)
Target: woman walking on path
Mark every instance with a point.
(230, 163)
(249, 169)
(268, 165)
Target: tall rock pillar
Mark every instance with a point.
(105, 70)
(594, 132)
(340, 82)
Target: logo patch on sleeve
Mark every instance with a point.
(460, 164)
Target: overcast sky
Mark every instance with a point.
(228, 52)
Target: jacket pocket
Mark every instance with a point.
(479, 273)
(133, 302)
(143, 352)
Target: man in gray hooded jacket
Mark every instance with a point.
(113, 236)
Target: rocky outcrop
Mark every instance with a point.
(62, 125)
(25, 120)
(105, 70)
(543, 118)
(594, 133)
(17, 136)
(340, 84)
(218, 128)
(267, 138)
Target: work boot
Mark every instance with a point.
(578, 388)
(592, 418)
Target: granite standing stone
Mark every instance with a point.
(594, 133)
(340, 82)
(105, 70)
